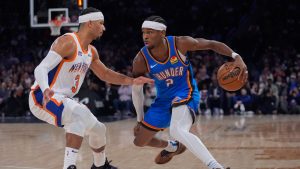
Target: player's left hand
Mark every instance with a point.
(142, 80)
(244, 75)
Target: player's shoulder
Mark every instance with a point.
(64, 45)
(94, 52)
(65, 41)
(138, 57)
(182, 38)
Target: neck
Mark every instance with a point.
(160, 51)
(84, 39)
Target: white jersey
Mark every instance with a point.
(67, 77)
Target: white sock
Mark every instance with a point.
(70, 157)
(172, 146)
(99, 158)
(214, 165)
(181, 123)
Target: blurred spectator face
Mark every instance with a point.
(203, 94)
(3, 85)
(294, 92)
(107, 85)
(293, 77)
(261, 86)
(255, 86)
(19, 91)
(244, 92)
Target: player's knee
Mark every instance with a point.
(99, 129)
(97, 137)
(175, 131)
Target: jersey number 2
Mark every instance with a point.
(169, 82)
(75, 87)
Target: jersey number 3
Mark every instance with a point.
(75, 87)
(169, 82)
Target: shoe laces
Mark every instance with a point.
(107, 163)
(164, 153)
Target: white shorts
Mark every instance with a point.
(63, 112)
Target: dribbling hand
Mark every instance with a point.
(48, 93)
(244, 75)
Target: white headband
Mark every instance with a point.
(91, 17)
(154, 25)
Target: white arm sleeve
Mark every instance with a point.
(41, 71)
(138, 101)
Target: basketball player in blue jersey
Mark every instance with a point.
(164, 59)
(59, 77)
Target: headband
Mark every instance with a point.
(91, 17)
(154, 25)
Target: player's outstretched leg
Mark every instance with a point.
(181, 123)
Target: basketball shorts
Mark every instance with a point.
(62, 111)
(158, 116)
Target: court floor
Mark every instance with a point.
(258, 142)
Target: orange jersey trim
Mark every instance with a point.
(56, 73)
(176, 50)
(169, 52)
(79, 40)
(146, 61)
(190, 89)
(43, 108)
(152, 127)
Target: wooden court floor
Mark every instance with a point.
(258, 142)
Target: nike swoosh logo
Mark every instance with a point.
(152, 66)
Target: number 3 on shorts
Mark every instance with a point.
(75, 87)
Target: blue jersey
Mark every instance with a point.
(174, 77)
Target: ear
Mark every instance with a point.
(89, 24)
(163, 34)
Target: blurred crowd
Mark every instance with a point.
(263, 33)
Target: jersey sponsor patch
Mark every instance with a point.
(173, 60)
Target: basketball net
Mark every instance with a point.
(56, 24)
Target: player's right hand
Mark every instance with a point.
(142, 80)
(48, 93)
(244, 75)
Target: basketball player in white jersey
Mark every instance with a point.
(59, 77)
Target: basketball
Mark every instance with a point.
(228, 75)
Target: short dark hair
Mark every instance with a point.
(89, 10)
(156, 18)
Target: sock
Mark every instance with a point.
(99, 158)
(214, 165)
(70, 157)
(172, 146)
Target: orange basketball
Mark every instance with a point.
(228, 75)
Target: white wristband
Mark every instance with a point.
(234, 55)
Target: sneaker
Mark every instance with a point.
(165, 156)
(105, 166)
(72, 167)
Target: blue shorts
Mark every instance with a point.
(158, 116)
